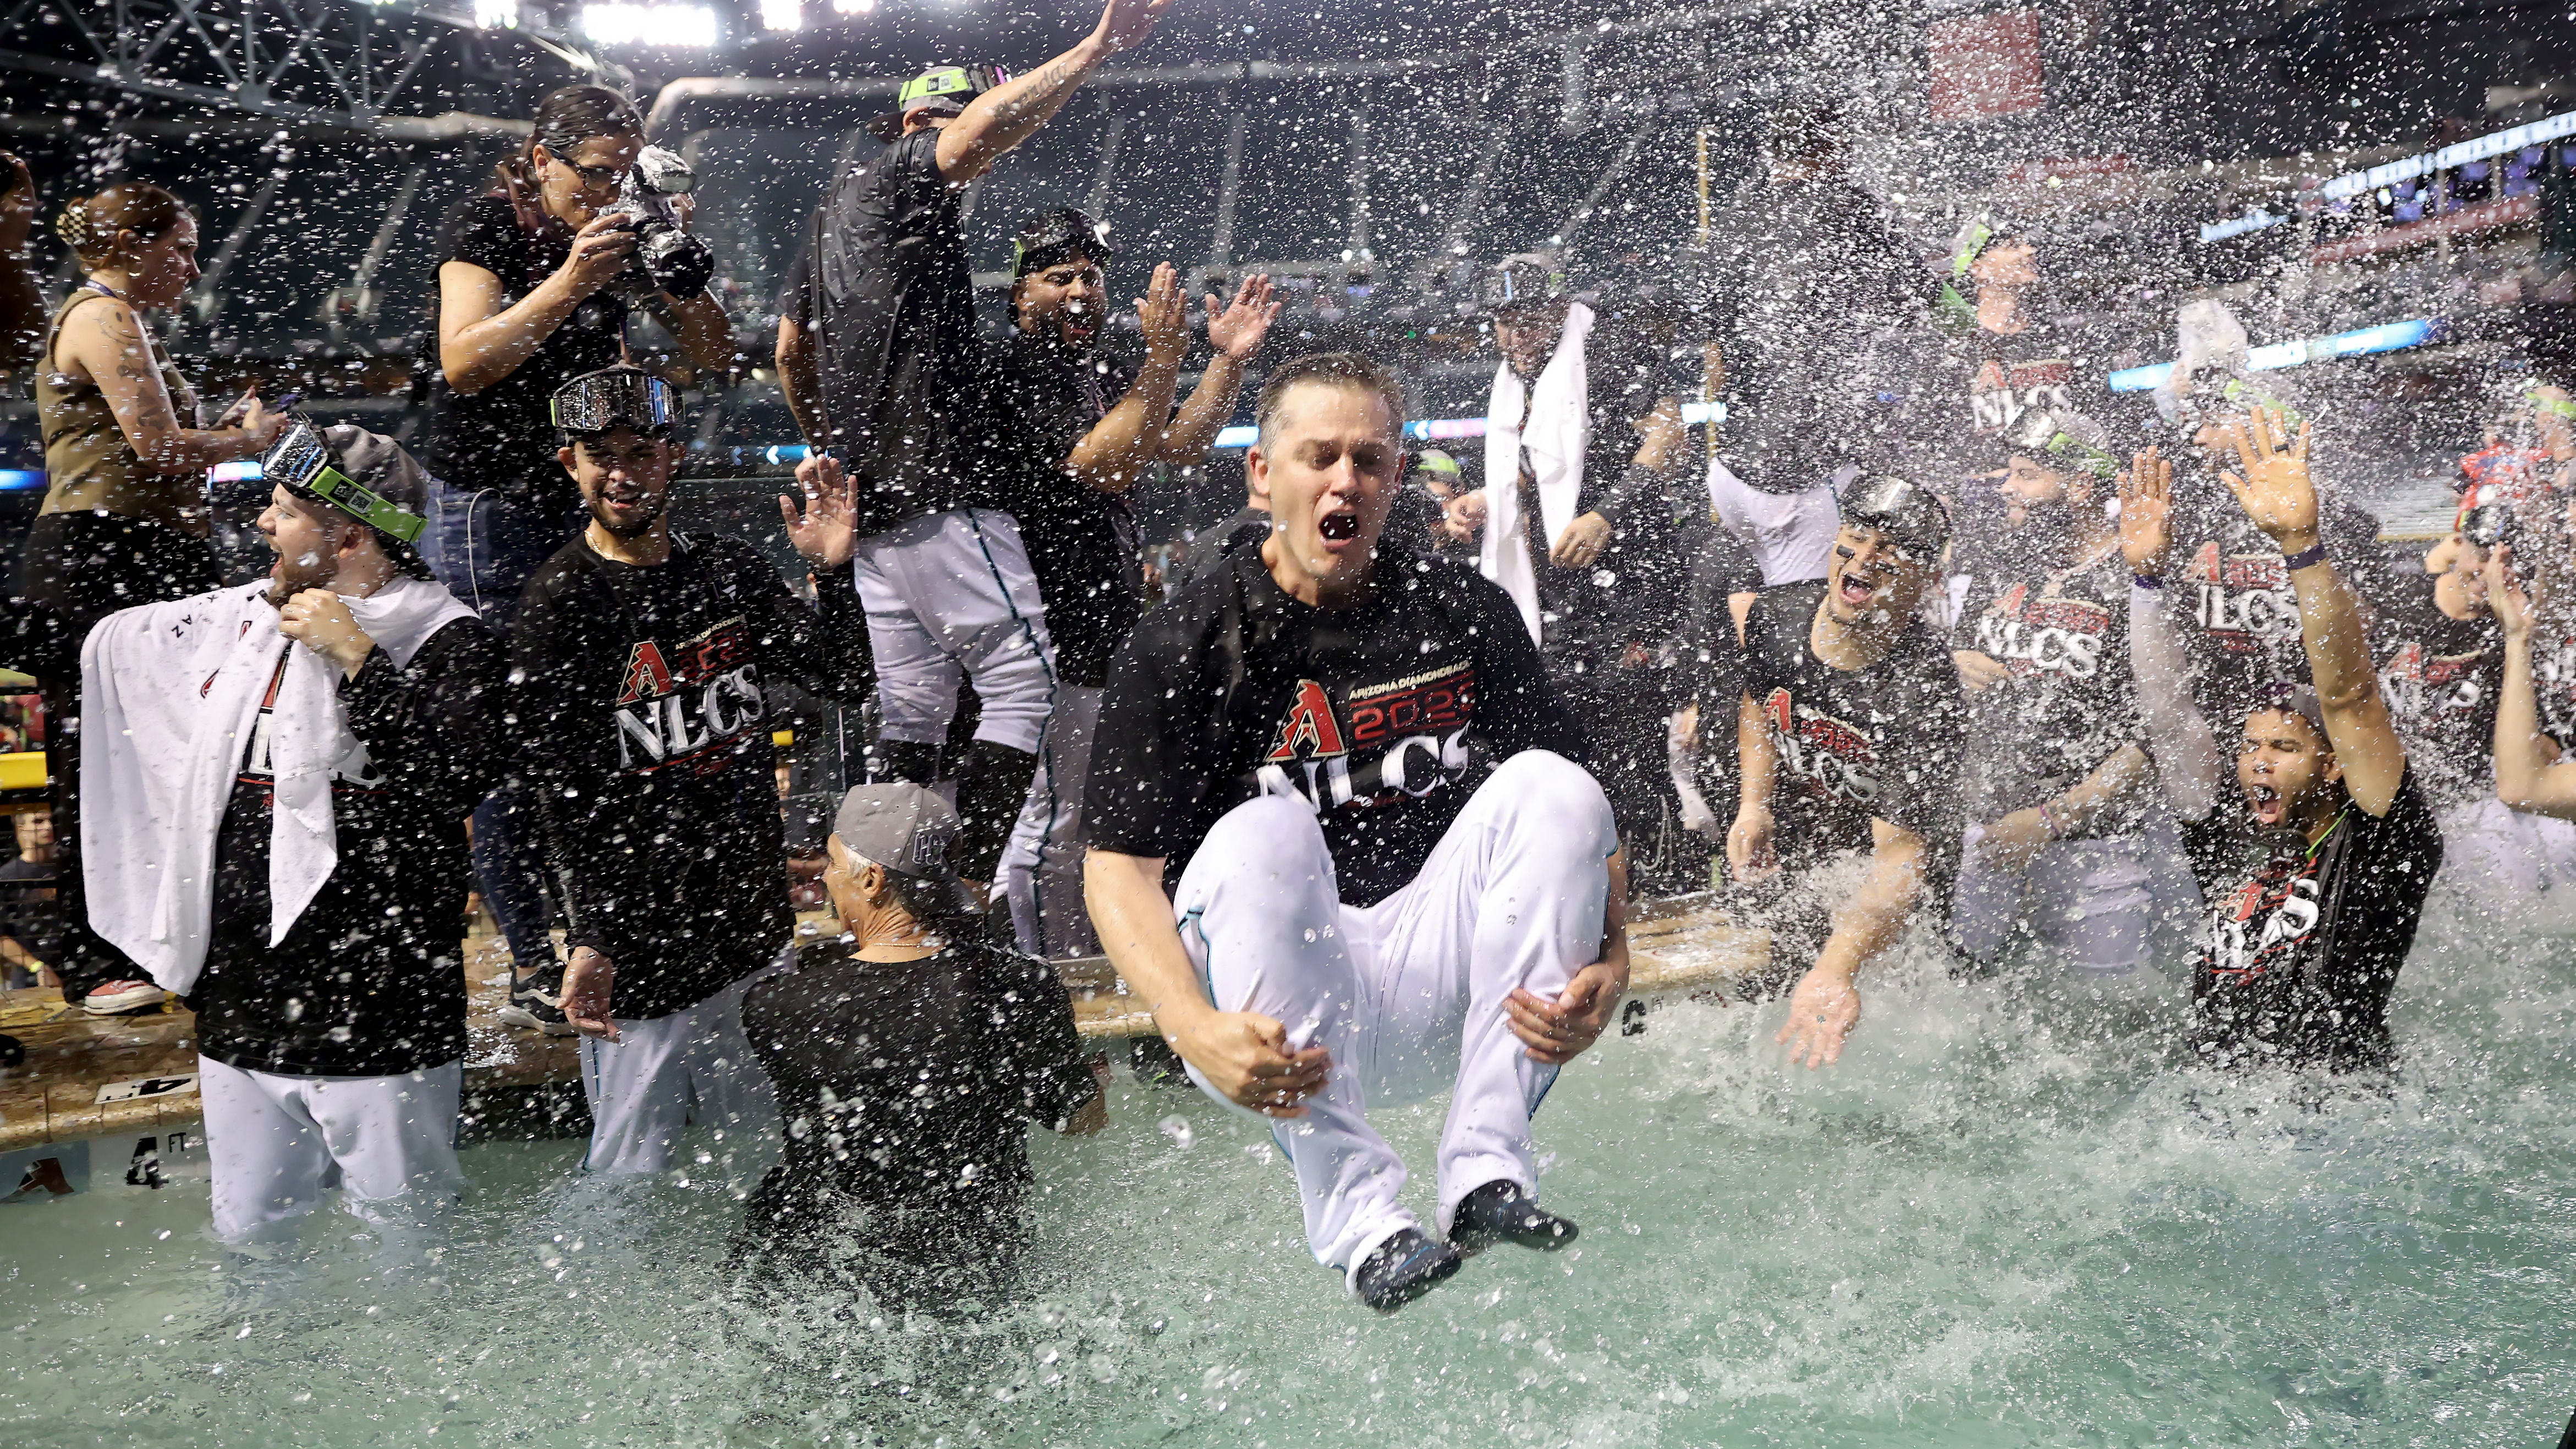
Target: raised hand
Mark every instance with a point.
(1164, 315)
(2505, 593)
(1238, 330)
(2146, 513)
(826, 533)
(1125, 23)
(2274, 488)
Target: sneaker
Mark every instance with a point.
(536, 1003)
(1498, 1212)
(1403, 1268)
(116, 998)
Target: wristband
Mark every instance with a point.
(2147, 581)
(2048, 822)
(2306, 558)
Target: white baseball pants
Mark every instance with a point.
(2090, 903)
(949, 594)
(1042, 866)
(1408, 994)
(660, 1075)
(277, 1143)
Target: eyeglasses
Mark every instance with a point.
(593, 178)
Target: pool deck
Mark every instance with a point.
(1675, 949)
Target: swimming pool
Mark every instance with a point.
(2012, 1216)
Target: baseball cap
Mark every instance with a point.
(1523, 279)
(1049, 237)
(907, 829)
(1433, 460)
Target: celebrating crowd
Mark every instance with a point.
(1352, 797)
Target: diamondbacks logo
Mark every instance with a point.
(1417, 726)
(1830, 756)
(1308, 731)
(689, 711)
(2244, 600)
(2044, 633)
(2427, 690)
(2002, 392)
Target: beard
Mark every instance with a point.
(642, 524)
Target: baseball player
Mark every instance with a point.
(1392, 877)
(878, 352)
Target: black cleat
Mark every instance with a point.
(1498, 1212)
(1405, 1267)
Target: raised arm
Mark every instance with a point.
(2528, 774)
(106, 341)
(1130, 435)
(1235, 334)
(2187, 758)
(705, 334)
(2276, 493)
(801, 380)
(1006, 115)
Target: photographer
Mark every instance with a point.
(536, 281)
(124, 520)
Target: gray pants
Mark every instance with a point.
(1042, 866)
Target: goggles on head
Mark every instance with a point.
(616, 397)
(303, 460)
(1518, 282)
(1917, 521)
(2044, 431)
(2552, 407)
(1058, 234)
(955, 84)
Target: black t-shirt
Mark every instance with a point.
(1383, 718)
(644, 712)
(912, 1082)
(2241, 619)
(903, 394)
(369, 981)
(2070, 703)
(1855, 745)
(2305, 943)
(504, 436)
(2442, 678)
(1081, 541)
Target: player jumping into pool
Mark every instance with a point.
(1392, 877)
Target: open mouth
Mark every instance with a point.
(1855, 588)
(2265, 802)
(1339, 526)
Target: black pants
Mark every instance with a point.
(78, 569)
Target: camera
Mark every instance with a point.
(2489, 525)
(667, 259)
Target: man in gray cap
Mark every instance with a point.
(937, 1045)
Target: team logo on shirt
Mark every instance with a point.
(2425, 689)
(2044, 634)
(686, 705)
(1833, 757)
(2001, 392)
(2245, 601)
(2260, 927)
(1383, 743)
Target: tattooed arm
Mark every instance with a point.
(1004, 116)
(102, 341)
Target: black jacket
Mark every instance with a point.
(644, 725)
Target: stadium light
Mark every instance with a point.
(853, 7)
(782, 14)
(692, 26)
(497, 14)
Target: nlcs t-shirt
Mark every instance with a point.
(1382, 718)
(1882, 742)
(2069, 704)
(2305, 941)
(2242, 619)
(2442, 678)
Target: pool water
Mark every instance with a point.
(2014, 1214)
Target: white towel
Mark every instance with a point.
(169, 696)
(1554, 419)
